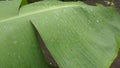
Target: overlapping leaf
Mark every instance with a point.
(77, 35)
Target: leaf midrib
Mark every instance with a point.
(39, 11)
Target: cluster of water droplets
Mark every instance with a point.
(90, 11)
(14, 54)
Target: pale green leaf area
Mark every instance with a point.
(9, 8)
(19, 46)
(77, 35)
(81, 37)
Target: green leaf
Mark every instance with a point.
(80, 36)
(19, 47)
(9, 8)
(24, 2)
(77, 35)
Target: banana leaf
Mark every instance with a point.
(76, 35)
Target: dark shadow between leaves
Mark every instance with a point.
(50, 60)
(116, 63)
(46, 53)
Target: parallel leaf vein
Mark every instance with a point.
(38, 11)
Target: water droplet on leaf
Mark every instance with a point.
(97, 21)
(15, 42)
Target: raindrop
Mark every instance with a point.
(76, 40)
(58, 24)
(69, 31)
(97, 21)
(52, 40)
(8, 53)
(14, 54)
(15, 42)
(72, 35)
(88, 23)
(19, 56)
(23, 43)
(91, 10)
